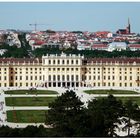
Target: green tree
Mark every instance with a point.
(132, 112)
(66, 116)
(105, 113)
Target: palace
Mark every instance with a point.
(69, 71)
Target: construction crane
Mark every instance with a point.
(35, 25)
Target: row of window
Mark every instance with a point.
(94, 84)
(63, 69)
(11, 69)
(27, 78)
(23, 72)
(111, 69)
(63, 77)
(63, 62)
(21, 84)
(107, 77)
(121, 69)
(68, 77)
(113, 84)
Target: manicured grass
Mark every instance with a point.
(110, 92)
(29, 101)
(26, 116)
(30, 92)
(124, 99)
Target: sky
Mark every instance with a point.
(70, 16)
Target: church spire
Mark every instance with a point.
(128, 27)
(128, 22)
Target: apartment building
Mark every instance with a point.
(69, 71)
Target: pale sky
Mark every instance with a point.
(84, 16)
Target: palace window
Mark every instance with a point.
(49, 77)
(63, 62)
(63, 77)
(89, 77)
(72, 62)
(125, 77)
(72, 77)
(67, 62)
(11, 77)
(68, 78)
(125, 84)
(76, 61)
(53, 61)
(35, 77)
(120, 78)
(113, 84)
(58, 77)
(113, 77)
(54, 78)
(77, 77)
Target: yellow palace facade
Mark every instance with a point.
(69, 71)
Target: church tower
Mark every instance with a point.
(128, 29)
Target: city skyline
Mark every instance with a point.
(70, 16)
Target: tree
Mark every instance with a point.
(105, 113)
(132, 111)
(66, 116)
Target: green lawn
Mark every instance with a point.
(26, 116)
(30, 92)
(110, 92)
(29, 101)
(124, 99)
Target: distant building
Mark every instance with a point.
(99, 46)
(117, 46)
(134, 47)
(125, 31)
